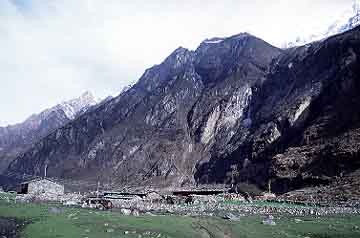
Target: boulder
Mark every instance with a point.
(126, 212)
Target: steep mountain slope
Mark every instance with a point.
(236, 108)
(156, 129)
(305, 119)
(347, 21)
(17, 138)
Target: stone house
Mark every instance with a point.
(41, 186)
(154, 197)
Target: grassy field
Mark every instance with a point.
(7, 196)
(75, 222)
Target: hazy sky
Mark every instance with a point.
(53, 50)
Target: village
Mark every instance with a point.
(225, 202)
(45, 206)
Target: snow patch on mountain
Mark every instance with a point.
(213, 41)
(73, 107)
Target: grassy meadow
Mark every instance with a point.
(77, 222)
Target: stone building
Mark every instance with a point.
(41, 186)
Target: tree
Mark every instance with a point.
(269, 186)
(234, 173)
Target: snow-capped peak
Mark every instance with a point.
(72, 107)
(348, 20)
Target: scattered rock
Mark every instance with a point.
(231, 217)
(70, 203)
(269, 221)
(135, 212)
(126, 212)
(72, 215)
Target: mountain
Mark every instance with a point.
(77, 106)
(15, 139)
(236, 109)
(151, 131)
(347, 21)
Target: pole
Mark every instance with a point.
(45, 170)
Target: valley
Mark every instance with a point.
(232, 136)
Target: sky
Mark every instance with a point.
(54, 50)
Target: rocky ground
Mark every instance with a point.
(297, 203)
(229, 210)
(344, 190)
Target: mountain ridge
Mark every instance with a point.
(180, 64)
(15, 139)
(237, 109)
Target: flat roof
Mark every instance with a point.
(124, 193)
(39, 179)
(197, 192)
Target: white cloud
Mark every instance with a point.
(54, 50)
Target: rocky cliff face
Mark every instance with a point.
(16, 139)
(305, 119)
(236, 108)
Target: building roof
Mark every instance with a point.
(198, 192)
(39, 179)
(113, 193)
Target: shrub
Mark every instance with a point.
(247, 189)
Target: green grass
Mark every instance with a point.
(76, 222)
(7, 196)
(324, 227)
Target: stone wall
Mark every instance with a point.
(45, 186)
